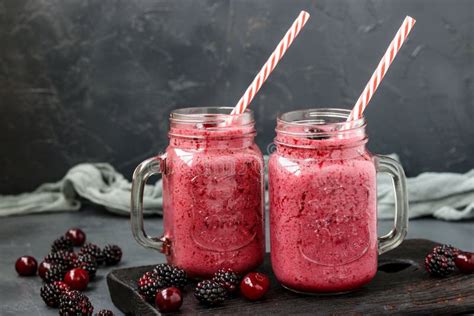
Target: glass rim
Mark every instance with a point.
(319, 122)
(209, 114)
(320, 112)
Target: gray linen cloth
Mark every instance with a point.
(447, 196)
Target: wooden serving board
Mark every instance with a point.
(401, 286)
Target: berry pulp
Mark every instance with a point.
(323, 214)
(213, 201)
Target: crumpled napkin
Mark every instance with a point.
(443, 195)
(99, 183)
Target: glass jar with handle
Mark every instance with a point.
(323, 203)
(213, 193)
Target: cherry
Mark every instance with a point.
(77, 236)
(168, 300)
(465, 262)
(43, 268)
(26, 266)
(254, 285)
(77, 279)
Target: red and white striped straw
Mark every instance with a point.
(271, 63)
(382, 68)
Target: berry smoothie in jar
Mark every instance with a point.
(212, 193)
(323, 208)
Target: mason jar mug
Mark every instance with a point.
(213, 193)
(323, 203)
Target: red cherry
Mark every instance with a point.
(77, 236)
(26, 266)
(43, 268)
(254, 285)
(77, 279)
(169, 299)
(465, 262)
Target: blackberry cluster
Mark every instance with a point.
(446, 250)
(75, 303)
(88, 263)
(171, 276)
(62, 265)
(51, 293)
(65, 258)
(62, 243)
(112, 254)
(94, 251)
(209, 292)
(148, 285)
(439, 265)
(105, 312)
(228, 279)
(55, 273)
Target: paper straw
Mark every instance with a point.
(271, 63)
(382, 68)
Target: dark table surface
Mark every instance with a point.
(32, 235)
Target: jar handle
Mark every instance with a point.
(395, 237)
(141, 174)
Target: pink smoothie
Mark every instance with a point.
(323, 214)
(213, 196)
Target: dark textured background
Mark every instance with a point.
(95, 80)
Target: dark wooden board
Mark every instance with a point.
(401, 286)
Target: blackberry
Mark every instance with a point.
(88, 263)
(446, 250)
(62, 243)
(55, 273)
(228, 279)
(105, 312)
(62, 257)
(75, 303)
(148, 285)
(210, 292)
(439, 265)
(112, 254)
(171, 276)
(94, 251)
(51, 293)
